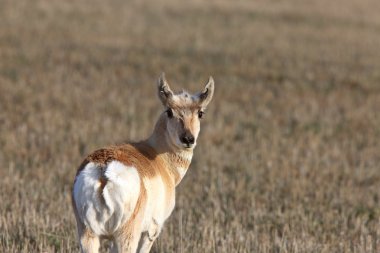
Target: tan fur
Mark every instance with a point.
(157, 159)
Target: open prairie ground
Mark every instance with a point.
(288, 158)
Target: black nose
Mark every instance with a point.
(187, 139)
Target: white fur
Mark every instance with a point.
(187, 155)
(120, 194)
(181, 171)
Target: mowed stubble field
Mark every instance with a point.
(288, 158)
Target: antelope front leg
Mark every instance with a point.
(148, 238)
(146, 243)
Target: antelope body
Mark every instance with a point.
(125, 193)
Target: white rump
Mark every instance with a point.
(104, 214)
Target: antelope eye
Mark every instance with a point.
(200, 114)
(170, 113)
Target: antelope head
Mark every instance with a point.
(183, 112)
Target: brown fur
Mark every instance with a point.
(139, 155)
(103, 181)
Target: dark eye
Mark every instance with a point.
(200, 114)
(170, 113)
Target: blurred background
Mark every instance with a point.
(288, 158)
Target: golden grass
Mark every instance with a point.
(288, 157)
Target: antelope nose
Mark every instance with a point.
(187, 139)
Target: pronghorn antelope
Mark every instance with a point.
(125, 193)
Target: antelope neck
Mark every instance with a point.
(177, 160)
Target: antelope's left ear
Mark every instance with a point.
(206, 95)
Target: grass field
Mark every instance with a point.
(288, 158)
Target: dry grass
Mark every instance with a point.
(289, 153)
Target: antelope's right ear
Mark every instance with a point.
(164, 92)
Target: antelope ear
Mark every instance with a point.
(164, 92)
(206, 95)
